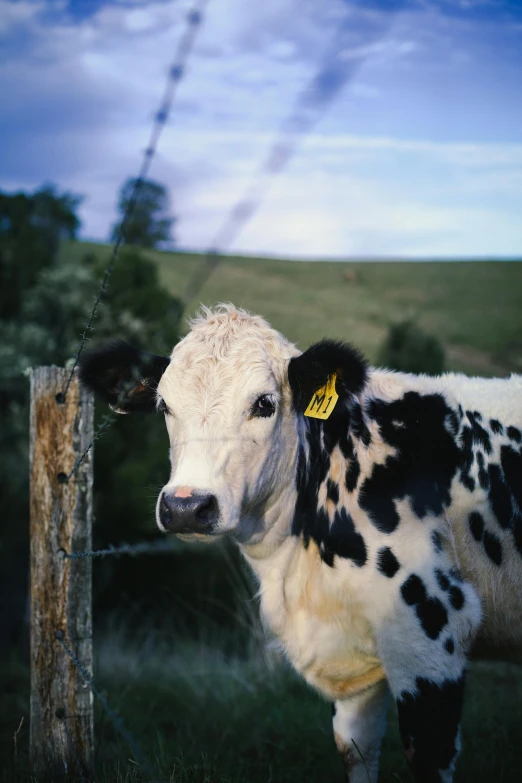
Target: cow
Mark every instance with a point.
(380, 512)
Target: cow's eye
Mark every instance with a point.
(162, 407)
(263, 407)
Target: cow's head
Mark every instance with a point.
(234, 393)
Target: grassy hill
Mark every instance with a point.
(475, 308)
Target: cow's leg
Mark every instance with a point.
(422, 647)
(359, 723)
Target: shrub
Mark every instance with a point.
(410, 349)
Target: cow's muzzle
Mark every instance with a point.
(197, 512)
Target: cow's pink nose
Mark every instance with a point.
(183, 492)
(188, 511)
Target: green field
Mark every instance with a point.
(475, 308)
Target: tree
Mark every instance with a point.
(148, 223)
(410, 349)
(31, 229)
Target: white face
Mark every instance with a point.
(231, 426)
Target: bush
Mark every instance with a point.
(410, 349)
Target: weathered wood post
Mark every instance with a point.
(61, 732)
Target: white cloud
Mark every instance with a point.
(366, 181)
(15, 13)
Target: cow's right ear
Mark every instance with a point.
(125, 377)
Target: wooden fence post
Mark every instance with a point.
(61, 731)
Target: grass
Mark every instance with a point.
(475, 308)
(203, 716)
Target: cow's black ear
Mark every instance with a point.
(124, 376)
(311, 371)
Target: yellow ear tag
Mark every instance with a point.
(324, 400)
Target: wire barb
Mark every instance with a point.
(175, 74)
(107, 422)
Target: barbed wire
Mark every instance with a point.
(335, 70)
(142, 548)
(105, 424)
(114, 717)
(176, 72)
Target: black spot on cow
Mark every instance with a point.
(433, 616)
(517, 533)
(509, 502)
(469, 482)
(428, 722)
(442, 580)
(426, 461)
(344, 539)
(456, 597)
(387, 563)
(334, 710)
(449, 645)
(479, 434)
(436, 540)
(413, 590)
(500, 496)
(482, 472)
(496, 426)
(455, 574)
(511, 462)
(476, 525)
(431, 612)
(339, 538)
(358, 425)
(466, 458)
(352, 474)
(491, 542)
(493, 547)
(332, 491)
(514, 433)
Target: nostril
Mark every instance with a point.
(206, 511)
(165, 511)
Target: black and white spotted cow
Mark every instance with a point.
(380, 512)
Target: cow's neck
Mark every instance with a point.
(324, 461)
(274, 521)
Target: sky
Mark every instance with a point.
(412, 118)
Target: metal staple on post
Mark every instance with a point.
(176, 72)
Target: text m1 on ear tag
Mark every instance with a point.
(324, 400)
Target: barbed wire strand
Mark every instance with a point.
(334, 72)
(102, 428)
(176, 72)
(114, 717)
(143, 547)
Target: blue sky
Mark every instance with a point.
(418, 154)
